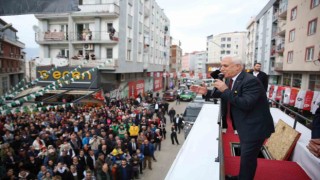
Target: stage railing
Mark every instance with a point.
(220, 157)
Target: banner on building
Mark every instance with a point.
(82, 80)
(293, 96)
(135, 88)
(315, 102)
(17, 7)
(308, 101)
(280, 92)
(286, 96)
(157, 84)
(271, 89)
(300, 99)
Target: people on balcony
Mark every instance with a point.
(112, 31)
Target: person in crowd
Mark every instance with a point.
(147, 149)
(174, 135)
(104, 173)
(178, 99)
(262, 76)
(245, 101)
(172, 114)
(315, 131)
(178, 123)
(157, 140)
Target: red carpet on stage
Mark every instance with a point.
(267, 169)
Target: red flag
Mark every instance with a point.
(293, 96)
(279, 93)
(99, 95)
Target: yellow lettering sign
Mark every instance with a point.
(44, 74)
(56, 74)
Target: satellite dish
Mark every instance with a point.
(35, 28)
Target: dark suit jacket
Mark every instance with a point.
(249, 108)
(263, 77)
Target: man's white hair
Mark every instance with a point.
(235, 59)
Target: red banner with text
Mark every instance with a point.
(136, 87)
(293, 96)
(157, 83)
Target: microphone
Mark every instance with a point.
(215, 74)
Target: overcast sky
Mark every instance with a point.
(191, 21)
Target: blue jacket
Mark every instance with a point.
(151, 149)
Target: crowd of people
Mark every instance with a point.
(116, 140)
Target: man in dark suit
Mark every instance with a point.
(250, 111)
(262, 76)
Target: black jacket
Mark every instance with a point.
(263, 77)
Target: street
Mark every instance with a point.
(168, 151)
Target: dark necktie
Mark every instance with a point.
(230, 84)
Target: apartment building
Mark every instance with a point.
(251, 53)
(185, 62)
(198, 63)
(130, 38)
(300, 65)
(226, 44)
(287, 43)
(12, 57)
(175, 59)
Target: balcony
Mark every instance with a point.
(278, 66)
(275, 16)
(273, 51)
(146, 11)
(77, 37)
(97, 10)
(280, 48)
(281, 30)
(107, 64)
(283, 10)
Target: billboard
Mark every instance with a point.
(136, 87)
(85, 81)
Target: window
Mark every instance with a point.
(292, 34)
(290, 57)
(4, 85)
(228, 45)
(109, 53)
(312, 27)
(128, 54)
(293, 13)
(309, 53)
(314, 3)
(314, 82)
(229, 39)
(223, 39)
(286, 79)
(296, 80)
(222, 52)
(228, 52)
(223, 45)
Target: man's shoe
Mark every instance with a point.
(235, 132)
(229, 177)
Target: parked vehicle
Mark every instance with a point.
(170, 95)
(199, 99)
(190, 115)
(187, 95)
(182, 87)
(208, 82)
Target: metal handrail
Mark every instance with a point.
(220, 157)
(297, 115)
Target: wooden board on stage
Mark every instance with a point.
(198, 89)
(282, 142)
